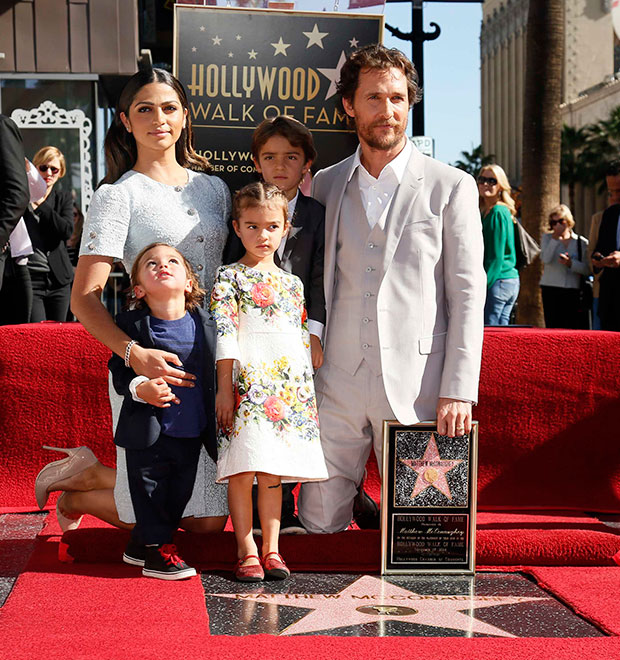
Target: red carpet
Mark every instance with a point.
(549, 402)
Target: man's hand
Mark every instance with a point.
(157, 392)
(453, 417)
(317, 351)
(153, 363)
(611, 260)
(225, 408)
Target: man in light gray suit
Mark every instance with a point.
(404, 286)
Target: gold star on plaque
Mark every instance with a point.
(252, 53)
(280, 48)
(216, 40)
(354, 43)
(315, 38)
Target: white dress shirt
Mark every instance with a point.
(377, 194)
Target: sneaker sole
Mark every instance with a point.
(293, 530)
(162, 575)
(128, 559)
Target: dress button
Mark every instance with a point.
(371, 245)
(199, 267)
(201, 239)
(93, 234)
(91, 246)
(191, 211)
(365, 320)
(369, 269)
(365, 346)
(178, 188)
(367, 294)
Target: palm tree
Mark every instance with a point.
(575, 159)
(473, 161)
(542, 129)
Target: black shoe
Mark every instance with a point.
(135, 553)
(163, 562)
(290, 525)
(365, 510)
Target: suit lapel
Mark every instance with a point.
(296, 226)
(402, 204)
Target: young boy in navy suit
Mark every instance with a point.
(283, 151)
(161, 427)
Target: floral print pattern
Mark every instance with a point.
(261, 323)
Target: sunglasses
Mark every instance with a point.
(553, 223)
(491, 181)
(43, 169)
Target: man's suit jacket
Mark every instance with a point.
(433, 288)
(303, 252)
(139, 424)
(609, 293)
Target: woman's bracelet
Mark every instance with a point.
(128, 351)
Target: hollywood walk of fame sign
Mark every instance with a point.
(240, 66)
(428, 500)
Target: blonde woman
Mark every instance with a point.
(563, 268)
(497, 209)
(49, 221)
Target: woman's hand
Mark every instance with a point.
(225, 409)
(565, 260)
(153, 363)
(157, 392)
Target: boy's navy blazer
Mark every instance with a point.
(139, 424)
(303, 252)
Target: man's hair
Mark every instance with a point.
(613, 168)
(375, 57)
(193, 298)
(259, 194)
(287, 127)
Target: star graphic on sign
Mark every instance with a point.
(230, 55)
(238, 37)
(216, 40)
(202, 28)
(194, 49)
(431, 469)
(280, 48)
(333, 75)
(354, 43)
(371, 599)
(252, 53)
(315, 38)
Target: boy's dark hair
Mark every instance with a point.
(377, 56)
(259, 194)
(613, 168)
(287, 127)
(193, 298)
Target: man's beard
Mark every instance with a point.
(383, 142)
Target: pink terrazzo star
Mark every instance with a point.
(370, 599)
(431, 469)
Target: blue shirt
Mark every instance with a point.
(185, 338)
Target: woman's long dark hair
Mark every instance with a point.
(120, 148)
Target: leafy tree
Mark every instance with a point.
(473, 161)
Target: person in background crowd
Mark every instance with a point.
(498, 217)
(612, 179)
(564, 264)
(606, 261)
(14, 193)
(49, 221)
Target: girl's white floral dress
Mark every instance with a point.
(261, 323)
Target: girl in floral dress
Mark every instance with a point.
(265, 404)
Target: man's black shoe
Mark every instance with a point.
(365, 510)
(163, 562)
(135, 553)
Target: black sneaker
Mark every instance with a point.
(135, 553)
(163, 562)
(290, 525)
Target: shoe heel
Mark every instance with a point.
(63, 450)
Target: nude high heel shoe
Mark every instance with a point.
(66, 523)
(78, 459)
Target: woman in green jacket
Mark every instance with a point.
(498, 218)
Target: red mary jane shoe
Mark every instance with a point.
(251, 573)
(275, 568)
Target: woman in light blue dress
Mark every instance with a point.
(157, 189)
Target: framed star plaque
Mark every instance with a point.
(428, 500)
